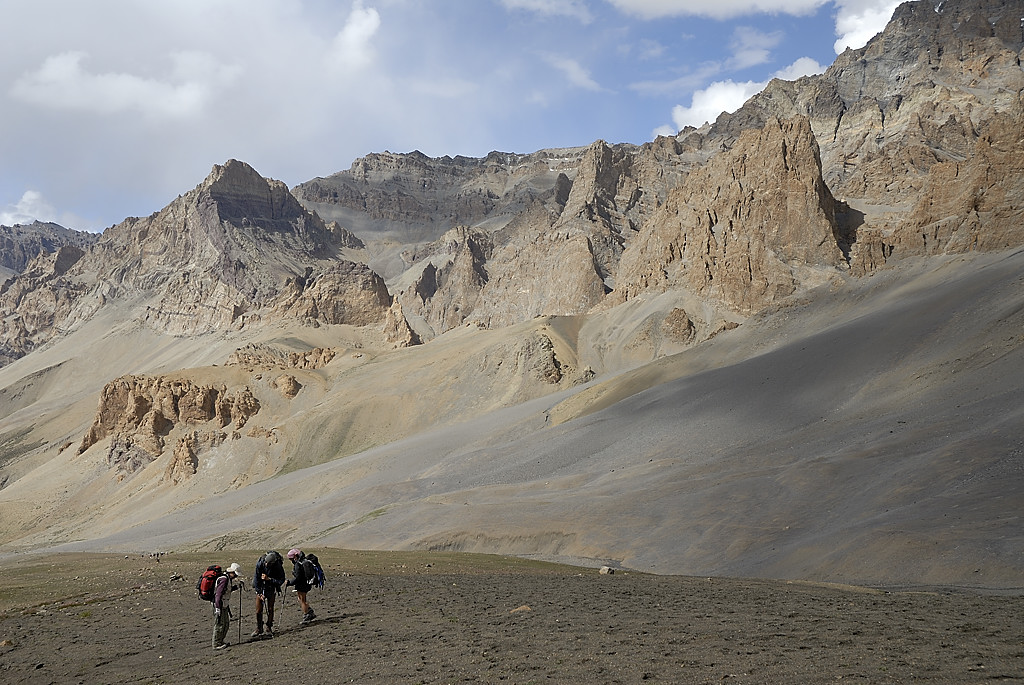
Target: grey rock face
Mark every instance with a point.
(413, 198)
(20, 244)
(894, 127)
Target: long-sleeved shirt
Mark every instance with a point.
(222, 592)
(299, 579)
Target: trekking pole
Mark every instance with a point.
(239, 641)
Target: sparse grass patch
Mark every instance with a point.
(372, 515)
(13, 445)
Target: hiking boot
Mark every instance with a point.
(269, 634)
(222, 645)
(256, 634)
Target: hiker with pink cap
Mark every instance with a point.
(303, 578)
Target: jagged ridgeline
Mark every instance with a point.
(415, 333)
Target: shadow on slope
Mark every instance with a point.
(874, 435)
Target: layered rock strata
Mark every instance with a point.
(740, 227)
(138, 413)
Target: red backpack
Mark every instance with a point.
(207, 582)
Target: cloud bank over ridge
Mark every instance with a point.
(110, 109)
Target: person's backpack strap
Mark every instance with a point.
(317, 576)
(308, 570)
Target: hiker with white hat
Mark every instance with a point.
(221, 605)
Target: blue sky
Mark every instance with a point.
(112, 108)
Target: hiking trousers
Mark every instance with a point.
(267, 599)
(220, 627)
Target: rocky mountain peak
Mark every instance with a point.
(965, 18)
(233, 173)
(237, 248)
(242, 195)
(928, 41)
(235, 228)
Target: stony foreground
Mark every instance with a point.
(418, 618)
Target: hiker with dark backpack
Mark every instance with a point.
(306, 573)
(267, 581)
(221, 606)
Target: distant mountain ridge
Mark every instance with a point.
(423, 197)
(615, 351)
(235, 248)
(915, 134)
(901, 128)
(21, 243)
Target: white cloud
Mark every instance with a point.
(689, 81)
(351, 49)
(34, 207)
(752, 47)
(858, 21)
(707, 104)
(576, 9)
(664, 130)
(805, 66)
(716, 9)
(574, 72)
(728, 96)
(62, 83)
(31, 207)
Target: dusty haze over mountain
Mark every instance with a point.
(787, 344)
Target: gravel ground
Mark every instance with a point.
(438, 618)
